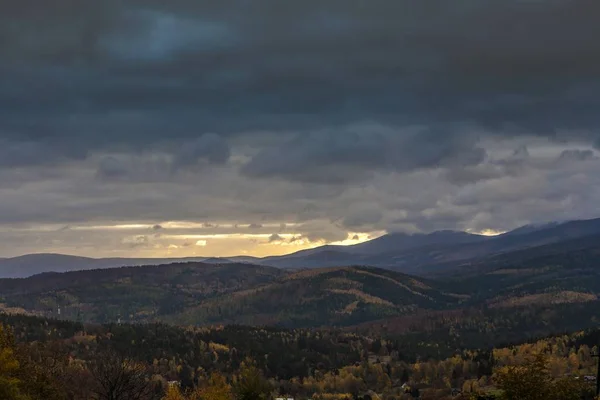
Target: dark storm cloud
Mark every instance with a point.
(338, 115)
(132, 73)
(363, 218)
(209, 147)
(31, 152)
(346, 154)
(576, 155)
(111, 167)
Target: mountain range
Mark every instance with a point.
(33, 264)
(533, 281)
(420, 254)
(560, 281)
(425, 254)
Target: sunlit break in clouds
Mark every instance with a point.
(185, 128)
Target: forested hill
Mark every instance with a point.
(554, 287)
(323, 297)
(130, 293)
(199, 278)
(196, 293)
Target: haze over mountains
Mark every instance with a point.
(419, 254)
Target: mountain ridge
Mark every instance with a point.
(563, 275)
(420, 253)
(197, 294)
(429, 253)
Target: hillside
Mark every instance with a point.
(563, 272)
(133, 293)
(196, 293)
(394, 250)
(514, 296)
(330, 296)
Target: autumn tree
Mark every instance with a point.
(251, 384)
(10, 385)
(216, 389)
(46, 373)
(174, 393)
(118, 378)
(533, 381)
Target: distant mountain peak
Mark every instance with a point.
(533, 227)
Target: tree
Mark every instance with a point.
(45, 372)
(251, 384)
(216, 389)
(118, 378)
(173, 393)
(405, 376)
(532, 381)
(10, 385)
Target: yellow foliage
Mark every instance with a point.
(533, 381)
(332, 396)
(218, 347)
(173, 393)
(217, 389)
(9, 367)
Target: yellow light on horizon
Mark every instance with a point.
(490, 232)
(358, 237)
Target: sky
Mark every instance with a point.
(186, 128)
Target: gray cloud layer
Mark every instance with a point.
(365, 115)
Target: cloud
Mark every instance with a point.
(136, 241)
(577, 155)
(15, 153)
(353, 153)
(106, 74)
(315, 117)
(275, 238)
(209, 147)
(111, 168)
(364, 217)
